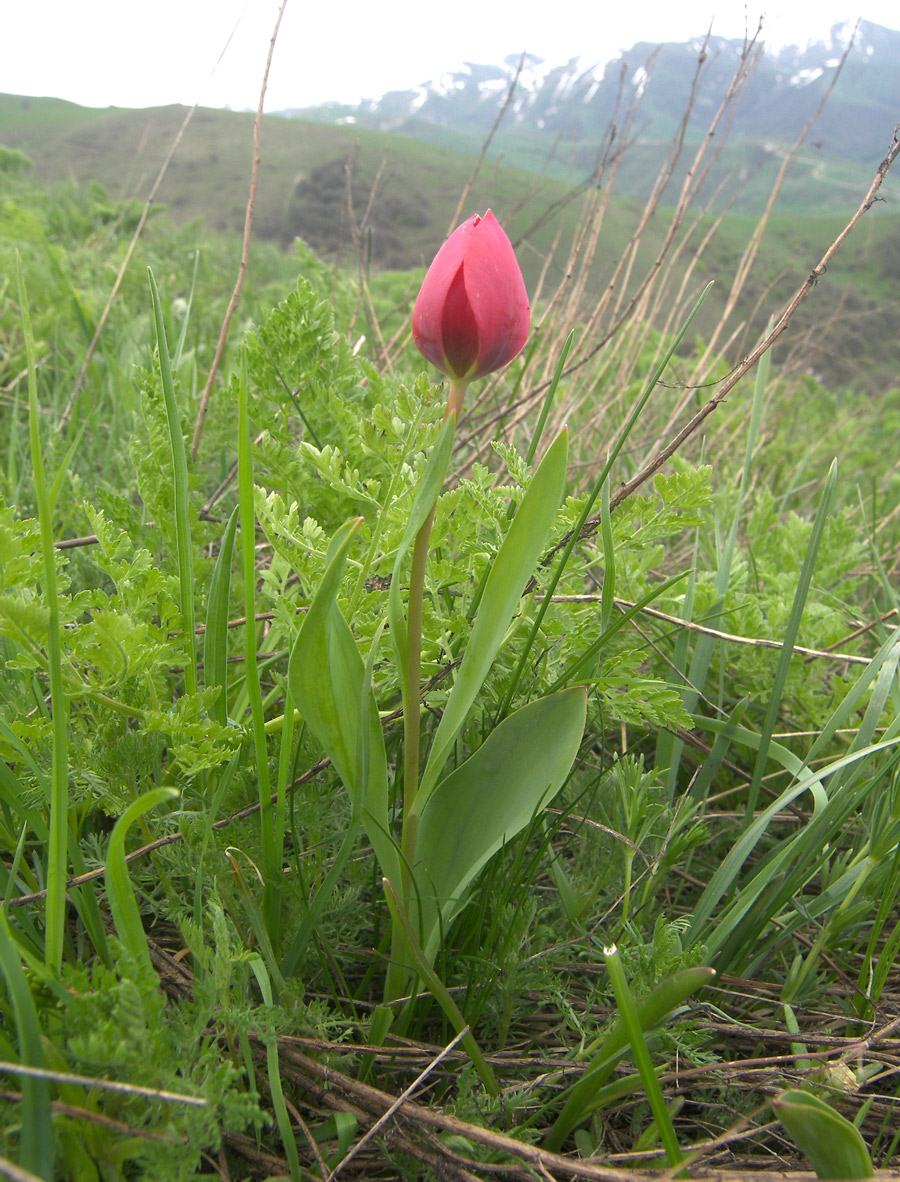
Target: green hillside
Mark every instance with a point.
(351, 711)
(357, 194)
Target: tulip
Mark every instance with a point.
(472, 315)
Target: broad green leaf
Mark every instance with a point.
(490, 798)
(327, 680)
(834, 1146)
(514, 564)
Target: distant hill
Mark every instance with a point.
(304, 179)
(567, 110)
(378, 185)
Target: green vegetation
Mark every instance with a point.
(195, 942)
(403, 195)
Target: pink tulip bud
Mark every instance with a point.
(472, 315)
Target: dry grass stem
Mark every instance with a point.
(245, 247)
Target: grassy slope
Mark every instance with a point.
(122, 764)
(303, 191)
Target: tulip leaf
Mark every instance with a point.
(834, 1146)
(489, 799)
(514, 564)
(328, 684)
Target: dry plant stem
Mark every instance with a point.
(613, 303)
(464, 196)
(753, 641)
(14, 1174)
(109, 1085)
(245, 249)
(398, 1103)
(104, 316)
(626, 489)
(371, 1100)
(359, 232)
(752, 248)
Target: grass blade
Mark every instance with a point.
(790, 639)
(247, 514)
(441, 993)
(180, 490)
(215, 644)
(36, 1154)
(271, 1044)
(641, 1055)
(57, 852)
(122, 903)
(606, 1052)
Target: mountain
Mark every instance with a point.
(566, 110)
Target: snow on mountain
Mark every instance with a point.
(582, 97)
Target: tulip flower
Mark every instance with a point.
(472, 315)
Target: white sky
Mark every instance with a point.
(137, 53)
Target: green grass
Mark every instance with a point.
(222, 814)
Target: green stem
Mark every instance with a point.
(413, 678)
(413, 674)
(455, 398)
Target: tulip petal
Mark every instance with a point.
(459, 328)
(497, 296)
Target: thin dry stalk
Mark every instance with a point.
(359, 232)
(501, 115)
(613, 303)
(74, 1112)
(577, 267)
(245, 248)
(752, 248)
(405, 1095)
(694, 177)
(335, 1088)
(731, 637)
(625, 490)
(104, 316)
(109, 1085)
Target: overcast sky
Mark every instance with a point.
(128, 53)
